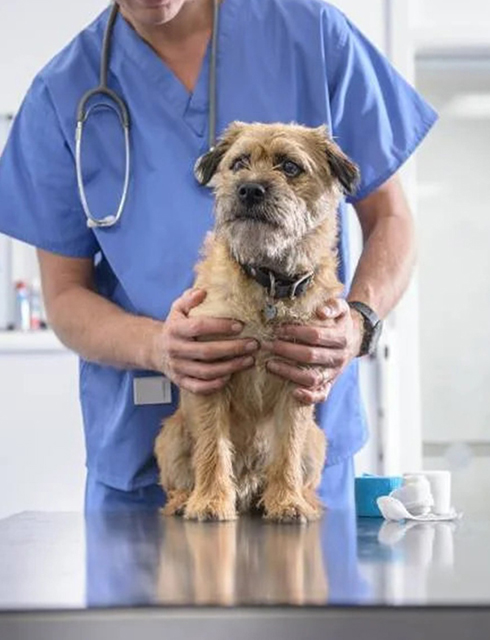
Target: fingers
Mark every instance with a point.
(333, 338)
(206, 367)
(212, 351)
(189, 328)
(310, 378)
(205, 326)
(305, 353)
(211, 371)
(335, 308)
(312, 396)
(201, 387)
(188, 300)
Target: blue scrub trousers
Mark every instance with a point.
(337, 492)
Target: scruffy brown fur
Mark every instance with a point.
(252, 444)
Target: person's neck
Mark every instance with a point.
(195, 19)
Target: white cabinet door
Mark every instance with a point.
(41, 438)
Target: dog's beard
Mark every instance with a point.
(271, 236)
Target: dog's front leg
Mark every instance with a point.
(283, 499)
(214, 495)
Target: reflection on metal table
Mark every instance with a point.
(118, 574)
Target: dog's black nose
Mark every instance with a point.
(251, 192)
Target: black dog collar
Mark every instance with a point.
(278, 285)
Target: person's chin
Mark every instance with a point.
(155, 4)
(157, 11)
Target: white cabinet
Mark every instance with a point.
(41, 438)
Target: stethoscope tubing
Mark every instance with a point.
(83, 113)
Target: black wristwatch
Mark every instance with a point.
(372, 327)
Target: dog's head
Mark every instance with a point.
(274, 185)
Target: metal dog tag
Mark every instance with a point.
(152, 390)
(270, 311)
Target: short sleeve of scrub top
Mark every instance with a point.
(39, 199)
(377, 117)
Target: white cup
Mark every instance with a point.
(440, 486)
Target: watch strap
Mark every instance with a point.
(371, 321)
(365, 311)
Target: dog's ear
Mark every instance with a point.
(341, 166)
(207, 165)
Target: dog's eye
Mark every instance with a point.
(240, 163)
(291, 169)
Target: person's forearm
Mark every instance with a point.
(101, 332)
(388, 256)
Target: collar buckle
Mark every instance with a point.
(278, 286)
(303, 280)
(272, 285)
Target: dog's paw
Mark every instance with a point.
(313, 501)
(292, 511)
(176, 503)
(210, 510)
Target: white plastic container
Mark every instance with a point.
(22, 307)
(7, 301)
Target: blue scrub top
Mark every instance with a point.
(278, 60)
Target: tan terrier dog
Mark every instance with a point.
(271, 260)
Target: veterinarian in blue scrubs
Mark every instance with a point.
(110, 291)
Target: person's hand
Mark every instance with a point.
(326, 348)
(199, 354)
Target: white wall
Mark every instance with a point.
(449, 23)
(454, 238)
(31, 33)
(436, 14)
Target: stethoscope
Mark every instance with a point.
(120, 108)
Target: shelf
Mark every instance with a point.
(30, 342)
